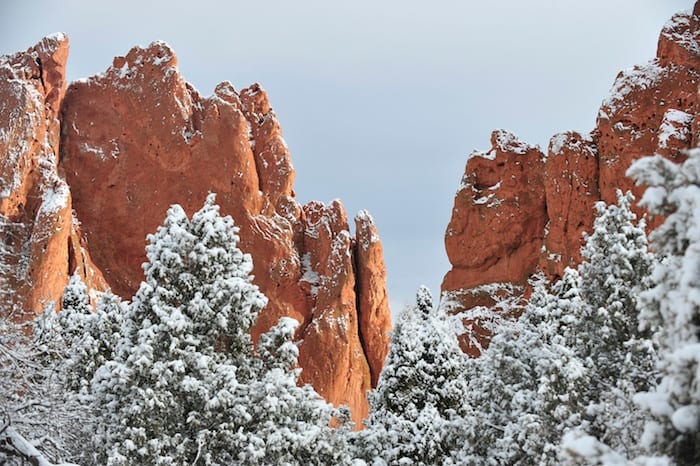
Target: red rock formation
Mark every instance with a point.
(651, 107)
(494, 248)
(497, 226)
(138, 138)
(331, 341)
(502, 188)
(372, 300)
(41, 246)
(571, 190)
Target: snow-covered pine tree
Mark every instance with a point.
(174, 384)
(75, 298)
(424, 364)
(526, 388)
(618, 357)
(88, 337)
(289, 425)
(185, 385)
(277, 350)
(37, 417)
(617, 264)
(83, 340)
(671, 307)
(415, 408)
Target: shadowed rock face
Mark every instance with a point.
(519, 211)
(138, 138)
(41, 242)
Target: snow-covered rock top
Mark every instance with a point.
(125, 68)
(561, 141)
(324, 219)
(629, 81)
(679, 31)
(505, 141)
(364, 221)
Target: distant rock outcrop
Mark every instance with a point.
(90, 174)
(519, 211)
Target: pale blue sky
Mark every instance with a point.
(380, 101)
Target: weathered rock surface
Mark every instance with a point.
(518, 212)
(651, 107)
(88, 172)
(372, 299)
(571, 190)
(331, 340)
(504, 189)
(40, 243)
(497, 227)
(139, 138)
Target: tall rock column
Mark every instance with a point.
(331, 343)
(571, 190)
(495, 235)
(39, 243)
(372, 299)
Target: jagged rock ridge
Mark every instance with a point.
(138, 138)
(520, 210)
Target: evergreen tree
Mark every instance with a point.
(289, 424)
(37, 417)
(88, 337)
(671, 307)
(619, 357)
(423, 366)
(616, 267)
(85, 339)
(415, 408)
(185, 385)
(527, 387)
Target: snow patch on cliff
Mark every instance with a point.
(309, 275)
(679, 31)
(635, 79)
(571, 140)
(55, 197)
(674, 126)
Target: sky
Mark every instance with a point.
(380, 102)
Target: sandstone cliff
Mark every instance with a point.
(520, 210)
(86, 173)
(41, 241)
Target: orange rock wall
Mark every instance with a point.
(39, 239)
(86, 173)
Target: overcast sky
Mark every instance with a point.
(380, 101)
